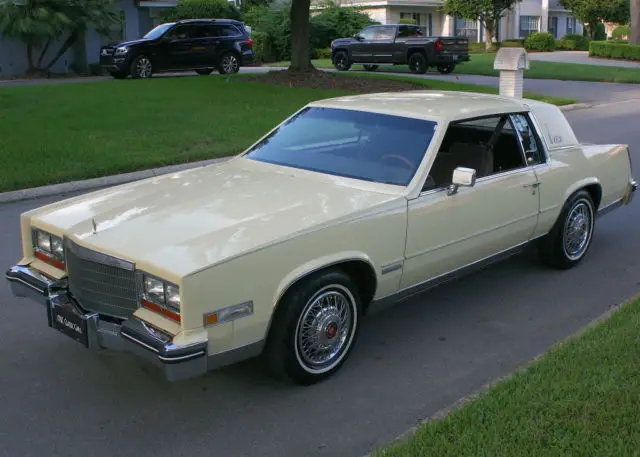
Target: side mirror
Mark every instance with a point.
(462, 177)
(357, 37)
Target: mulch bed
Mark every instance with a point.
(317, 79)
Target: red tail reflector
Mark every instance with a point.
(439, 45)
(249, 42)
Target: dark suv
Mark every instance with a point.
(194, 44)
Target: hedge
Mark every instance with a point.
(614, 50)
(573, 42)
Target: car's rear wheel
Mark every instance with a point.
(229, 64)
(204, 71)
(417, 63)
(141, 67)
(341, 61)
(568, 241)
(371, 67)
(315, 328)
(446, 68)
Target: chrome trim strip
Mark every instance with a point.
(482, 232)
(432, 282)
(391, 268)
(182, 358)
(22, 281)
(610, 207)
(140, 343)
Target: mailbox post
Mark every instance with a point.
(511, 62)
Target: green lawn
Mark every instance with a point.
(482, 64)
(57, 133)
(581, 399)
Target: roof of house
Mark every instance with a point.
(429, 104)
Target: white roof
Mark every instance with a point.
(429, 104)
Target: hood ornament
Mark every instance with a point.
(95, 227)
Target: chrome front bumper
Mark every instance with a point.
(633, 184)
(97, 332)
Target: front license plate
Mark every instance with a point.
(70, 324)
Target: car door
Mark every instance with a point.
(400, 48)
(362, 50)
(179, 50)
(205, 39)
(375, 45)
(449, 231)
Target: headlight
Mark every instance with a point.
(121, 51)
(160, 296)
(48, 248)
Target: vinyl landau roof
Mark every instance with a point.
(429, 104)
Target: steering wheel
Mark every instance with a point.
(402, 159)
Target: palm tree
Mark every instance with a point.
(40, 23)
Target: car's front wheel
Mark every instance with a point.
(315, 328)
(141, 67)
(341, 61)
(568, 241)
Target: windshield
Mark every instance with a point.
(355, 144)
(158, 31)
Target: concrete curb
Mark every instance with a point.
(95, 183)
(576, 106)
(443, 413)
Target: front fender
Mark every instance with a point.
(316, 265)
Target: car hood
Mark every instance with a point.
(182, 222)
(117, 44)
(342, 41)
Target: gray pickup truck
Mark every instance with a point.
(399, 44)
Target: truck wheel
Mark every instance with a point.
(315, 327)
(371, 67)
(447, 68)
(417, 63)
(341, 61)
(569, 239)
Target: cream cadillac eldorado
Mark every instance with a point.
(280, 250)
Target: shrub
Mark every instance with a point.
(611, 50)
(195, 9)
(273, 27)
(573, 42)
(540, 42)
(337, 22)
(323, 53)
(621, 32)
(261, 47)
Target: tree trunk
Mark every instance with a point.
(300, 30)
(635, 22)
(31, 68)
(593, 26)
(489, 31)
(67, 44)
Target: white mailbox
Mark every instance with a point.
(511, 62)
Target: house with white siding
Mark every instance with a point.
(526, 17)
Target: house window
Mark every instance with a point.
(414, 16)
(467, 28)
(529, 25)
(571, 25)
(553, 26)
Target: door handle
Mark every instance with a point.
(534, 185)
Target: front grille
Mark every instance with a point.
(101, 283)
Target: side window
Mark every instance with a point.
(227, 30)
(489, 145)
(180, 32)
(367, 33)
(530, 142)
(384, 33)
(203, 31)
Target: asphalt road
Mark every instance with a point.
(412, 360)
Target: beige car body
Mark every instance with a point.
(244, 231)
